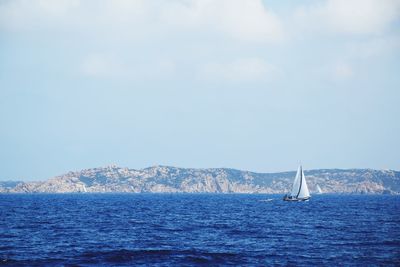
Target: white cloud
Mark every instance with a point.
(241, 19)
(342, 71)
(350, 16)
(374, 47)
(240, 70)
(100, 66)
(25, 15)
(58, 7)
(111, 66)
(148, 38)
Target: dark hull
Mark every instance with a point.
(286, 198)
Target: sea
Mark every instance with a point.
(198, 230)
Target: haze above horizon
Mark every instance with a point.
(252, 85)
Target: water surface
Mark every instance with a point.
(197, 229)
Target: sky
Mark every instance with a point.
(246, 84)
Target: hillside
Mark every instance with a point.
(160, 179)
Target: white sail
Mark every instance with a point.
(299, 189)
(296, 183)
(319, 190)
(303, 190)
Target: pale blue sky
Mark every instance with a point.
(255, 85)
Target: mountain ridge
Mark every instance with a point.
(169, 179)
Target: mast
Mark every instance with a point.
(301, 181)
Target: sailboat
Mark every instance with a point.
(319, 190)
(299, 190)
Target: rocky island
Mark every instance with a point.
(164, 179)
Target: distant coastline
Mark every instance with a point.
(165, 179)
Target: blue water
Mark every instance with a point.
(191, 229)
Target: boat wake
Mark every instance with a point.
(266, 200)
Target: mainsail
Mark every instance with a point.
(299, 188)
(319, 190)
(296, 183)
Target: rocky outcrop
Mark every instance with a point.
(163, 179)
(5, 186)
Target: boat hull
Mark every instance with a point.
(292, 199)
